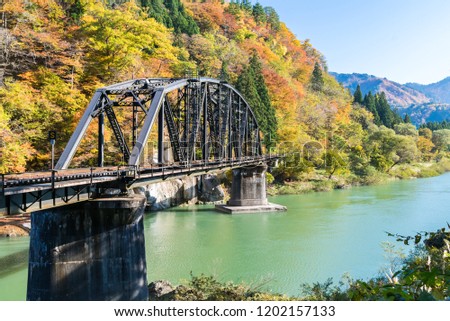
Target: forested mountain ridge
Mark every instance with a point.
(423, 103)
(56, 53)
(438, 92)
(398, 95)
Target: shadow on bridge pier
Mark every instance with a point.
(89, 251)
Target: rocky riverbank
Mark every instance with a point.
(15, 226)
(207, 288)
(205, 189)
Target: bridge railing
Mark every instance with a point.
(34, 191)
(52, 178)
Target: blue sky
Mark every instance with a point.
(402, 40)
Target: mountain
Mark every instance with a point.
(429, 112)
(422, 102)
(438, 92)
(398, 96)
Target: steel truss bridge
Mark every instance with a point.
(202, 125)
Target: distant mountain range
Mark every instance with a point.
(438, 92)
(422, 102)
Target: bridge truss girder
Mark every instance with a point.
(203, 119)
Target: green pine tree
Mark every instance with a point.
(384, 110)
(252, 85)
(246, 5)
(370, 104)
(407, 119)
(317, 78)
(358, 96)
(76, 10)
(224, 74)
(172, 14)
(273, 18)
(259, 14)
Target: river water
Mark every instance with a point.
(321, 235)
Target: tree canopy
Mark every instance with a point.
(252, 85)
(55, 54)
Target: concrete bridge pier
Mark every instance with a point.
(248, 192)
(89, 251)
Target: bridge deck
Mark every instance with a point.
(22, 193)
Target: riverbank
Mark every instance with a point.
(319, 181)
(15, 226)
(208, 288)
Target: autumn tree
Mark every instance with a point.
(333, 161)
(389, 149)
(32, 115)
(120, 41)
(441, 139)
(14, 149)
(425, 147)
(406, 129)
(426, 132)
(424, 143)
(362, 116)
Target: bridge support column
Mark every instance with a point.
(249, 186)
(89, 251)
(248, 192)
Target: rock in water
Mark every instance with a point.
(160, 291)
(211, 189)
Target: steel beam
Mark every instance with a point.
(101, 140)
(161, 134)
(75, 139)
(146, 127)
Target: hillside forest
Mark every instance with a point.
(56, 53)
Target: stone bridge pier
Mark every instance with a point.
(89, 251)
(248, 192)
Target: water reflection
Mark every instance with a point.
(13, 262)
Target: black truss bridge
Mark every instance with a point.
(160, 129)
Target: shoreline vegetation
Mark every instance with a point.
(319, 181)
(421, 275)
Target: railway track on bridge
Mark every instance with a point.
(22, 193)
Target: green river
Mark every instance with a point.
(321, 235)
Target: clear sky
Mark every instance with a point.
(402, 40)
